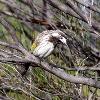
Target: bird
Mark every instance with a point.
(45, 43)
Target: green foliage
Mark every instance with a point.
(40, 76)
(19, 96)
(56, 98)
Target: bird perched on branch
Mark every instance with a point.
(45, 43)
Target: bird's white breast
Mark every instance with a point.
(44, 49)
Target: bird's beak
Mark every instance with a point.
(63, 40)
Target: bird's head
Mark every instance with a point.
(58, 36)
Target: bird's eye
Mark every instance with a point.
(61, 37)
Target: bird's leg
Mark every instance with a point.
(26, 67)
(41, 60)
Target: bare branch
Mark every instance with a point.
(63, 8)
(4, 98)
(9, 28)
(44, 9)
(62, 74)
(75, 8)
(91, 7)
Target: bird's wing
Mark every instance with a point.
(43, 49)
(41, 37)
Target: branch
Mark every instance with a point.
(12, 58)
(14, 8)
(61, 73)
(30, 4)
(64, 8)
(22, 18)
(80, 68)
(16, 47)
(75, 9)
(89, 6)
(18, 90)
(45, 10)
(92, 49)
(9, 28)
(29, 22)
(4, 98)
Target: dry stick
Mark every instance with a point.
(36, 21)
(28, 22)
(76, 68)
(22, 18)
(90, 16)
(61, 73)
(91, 7)
(58, 72)
(94, 24)
(78, 11)
(14, 7)
(44, 15)
(16, 60)
(9, 28)
(92, 48)
(64, 8)
(17, 12)
(30, 4)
